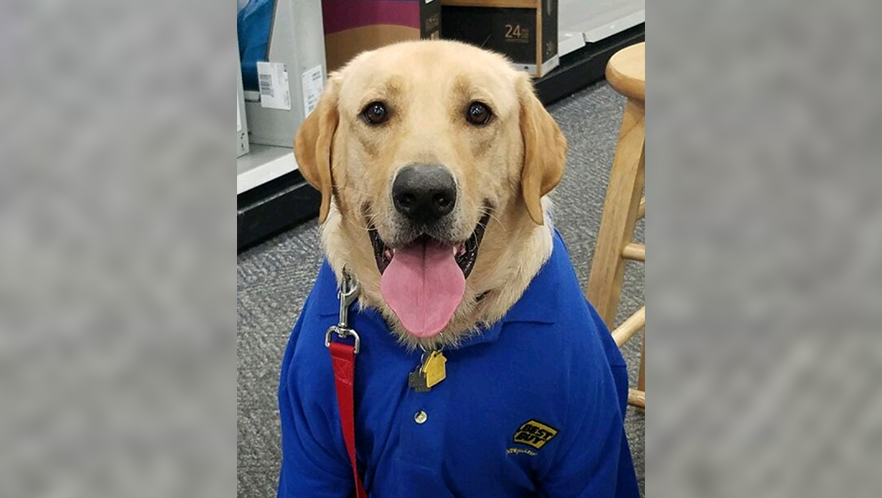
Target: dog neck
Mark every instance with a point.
(503, 270)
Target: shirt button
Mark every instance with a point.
(420, 417)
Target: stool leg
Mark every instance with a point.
(619, 214)
(641, 381)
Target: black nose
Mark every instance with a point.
(424, 193)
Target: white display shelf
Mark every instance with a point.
(568, 42)
(263, 164)
(600, 19)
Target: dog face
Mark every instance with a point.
(426, 148)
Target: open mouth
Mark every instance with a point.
(423, 282)
(464, 253)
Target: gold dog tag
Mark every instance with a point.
(435, 368)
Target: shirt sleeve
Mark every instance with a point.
(594, 459)
(312, 466)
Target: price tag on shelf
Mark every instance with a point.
(274, 90)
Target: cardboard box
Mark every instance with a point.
(354, 26)
(295, 53)
(524, 30)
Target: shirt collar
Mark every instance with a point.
(538, 304)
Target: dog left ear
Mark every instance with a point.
(545, 149)
(312, 146)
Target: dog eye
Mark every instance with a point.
(375, 113)
(478, 114)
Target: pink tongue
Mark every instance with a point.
(423, 285)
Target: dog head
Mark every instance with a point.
(427, 151)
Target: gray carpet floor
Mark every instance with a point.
(275, 277)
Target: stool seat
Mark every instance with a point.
(626, 72)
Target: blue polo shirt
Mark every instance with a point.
(531, 407)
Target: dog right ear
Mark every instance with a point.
(313, 144)
(545, 149)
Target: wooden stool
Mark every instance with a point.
(624, 205)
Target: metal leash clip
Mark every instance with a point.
(347, 294)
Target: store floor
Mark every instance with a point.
(275, 277)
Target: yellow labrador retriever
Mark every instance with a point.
(433, 159)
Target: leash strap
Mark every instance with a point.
(343, 358)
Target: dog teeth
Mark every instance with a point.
(459, 250)
(388, 254)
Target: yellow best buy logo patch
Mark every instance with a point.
(534, 433)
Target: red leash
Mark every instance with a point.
(343, 357)
(343, 360)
